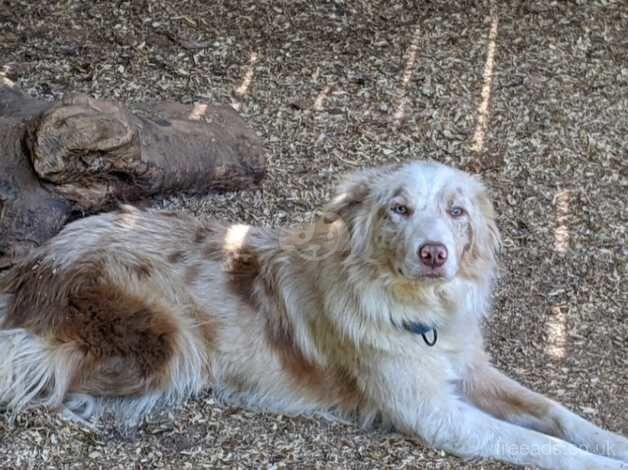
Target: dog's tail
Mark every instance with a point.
(33, 371)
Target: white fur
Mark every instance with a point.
(26, 371)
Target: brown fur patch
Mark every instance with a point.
(470, 264)
(126, 344)
(506, 401)
(201, 234)
(208, 325)
(105, 322)
(39, 294)
(470, 235)
(331, 386)
(242, 285)
(477, 257)
(241, 261)
(176, 257)
(240, 264)
(242, 268)
(143, 270)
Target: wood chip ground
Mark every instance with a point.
(533, 95)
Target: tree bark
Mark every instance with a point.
(82, 155)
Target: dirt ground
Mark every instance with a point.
(533, 95)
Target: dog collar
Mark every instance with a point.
(417, 328)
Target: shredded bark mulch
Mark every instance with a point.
(532, 95)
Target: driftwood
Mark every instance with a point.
(61, 160)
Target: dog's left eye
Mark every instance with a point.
(456, 211)
(401, 210)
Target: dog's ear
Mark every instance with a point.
(487, 243)
(350, 193)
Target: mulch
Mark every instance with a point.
(531, 95)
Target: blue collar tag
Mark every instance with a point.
(418, 328)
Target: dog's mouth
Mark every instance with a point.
(433, 275)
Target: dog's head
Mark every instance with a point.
(418, 221)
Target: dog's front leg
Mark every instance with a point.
(506, 399)
(422, 403)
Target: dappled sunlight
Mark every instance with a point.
(320, 99)
(127, 218)
(199, 110)
(556, 324)
(483, 108)
(235, 237)
(561, 230)
(408, 70)
(243, 89)
(556, 327)
(4, 79)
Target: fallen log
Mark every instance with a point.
(81, 155)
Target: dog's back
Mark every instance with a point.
(137, 308)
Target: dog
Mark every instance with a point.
(372, 311)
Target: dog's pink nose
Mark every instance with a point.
(433, 255)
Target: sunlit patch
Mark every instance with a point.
(243, 89)
(483, 109)
(561, 231)
(236, 236)
(198, 112)
(4, 80)
(411, 54)
(556, 327)
(127, 217)
(320, 99)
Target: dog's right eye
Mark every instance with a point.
(401, 210)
